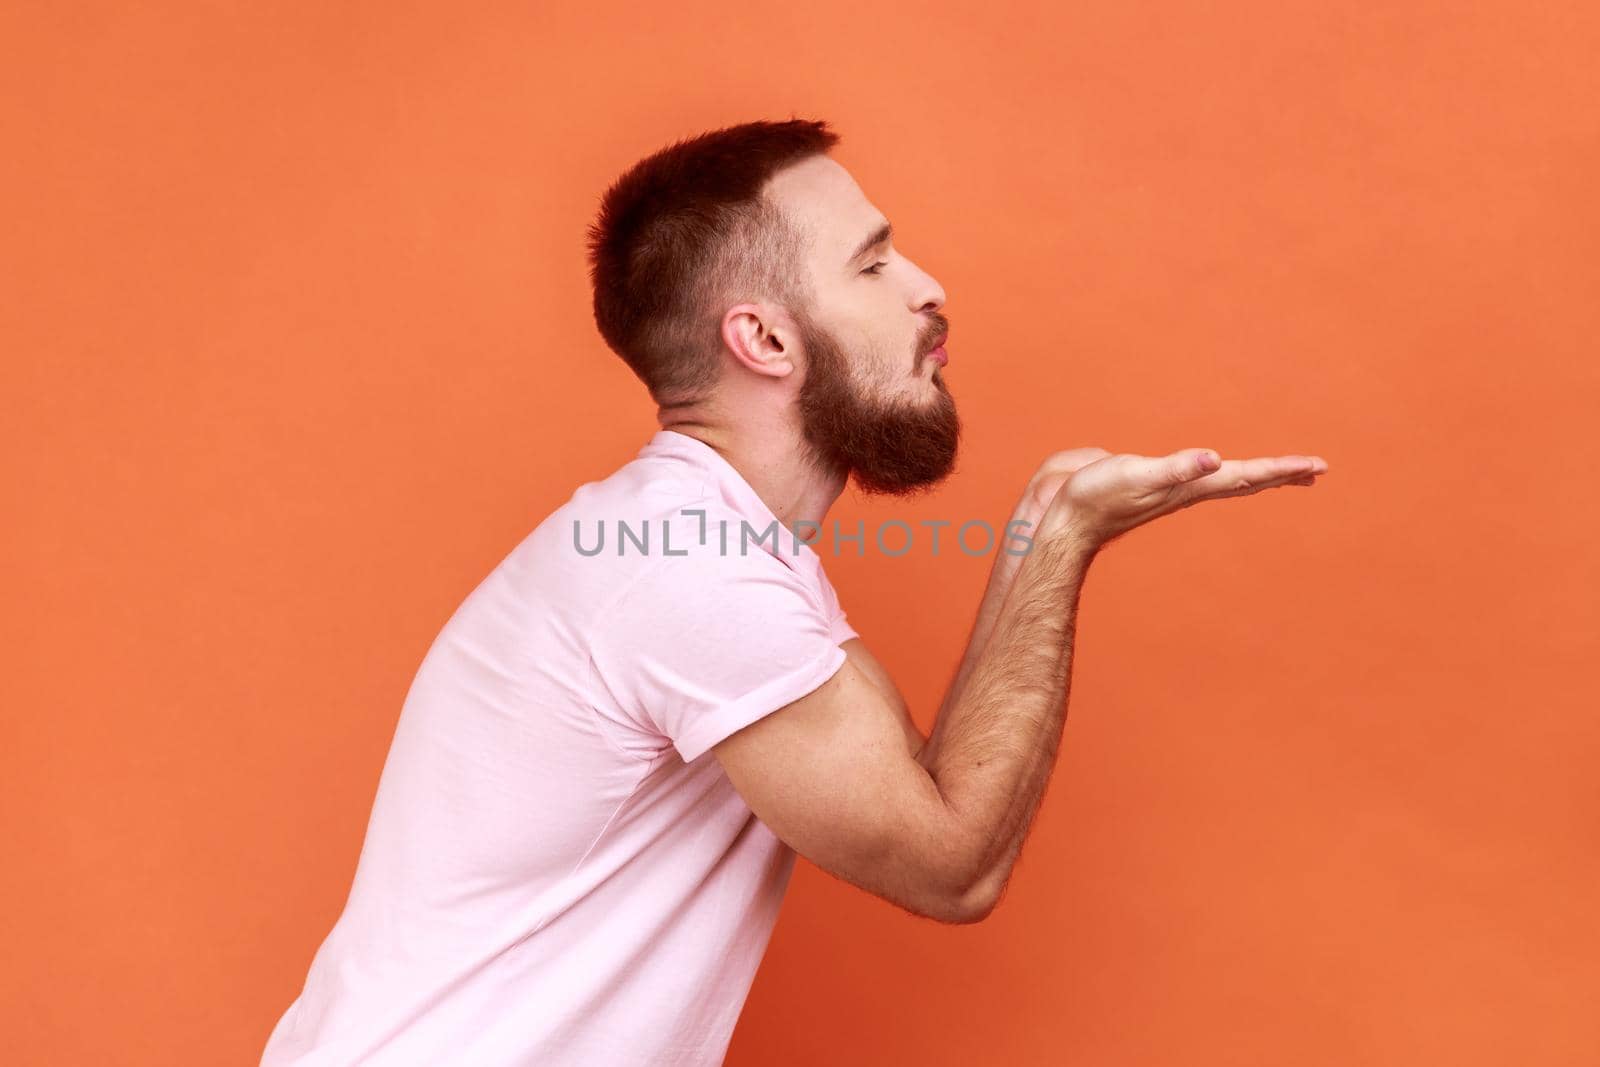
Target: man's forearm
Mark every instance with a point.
(995, 741)
(1001, 574)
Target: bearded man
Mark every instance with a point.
(610, 758)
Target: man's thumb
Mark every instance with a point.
(1190, 464)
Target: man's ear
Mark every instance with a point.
(761, 338)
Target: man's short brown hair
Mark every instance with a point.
(686, 234)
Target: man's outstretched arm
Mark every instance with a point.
(830, 774)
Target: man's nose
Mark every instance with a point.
(928, 295)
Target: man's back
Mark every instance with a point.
(557, 870)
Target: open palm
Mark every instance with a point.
(1111, 494)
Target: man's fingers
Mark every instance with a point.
(1240, 477)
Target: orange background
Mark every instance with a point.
(297, 345)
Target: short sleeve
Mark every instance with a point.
(699, 646)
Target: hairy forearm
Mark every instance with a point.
(995, 741)
(1008, 559)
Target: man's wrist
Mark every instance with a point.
(1065, 538)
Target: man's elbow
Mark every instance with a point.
(967, 878)
(974, 907)
(971, 904)
(959, 875)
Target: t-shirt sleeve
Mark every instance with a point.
(697, 647)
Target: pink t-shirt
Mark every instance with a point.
(557, 870)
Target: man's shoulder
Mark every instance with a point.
(651, 532)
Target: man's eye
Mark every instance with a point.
(876, 268)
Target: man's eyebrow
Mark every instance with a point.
(882, 234)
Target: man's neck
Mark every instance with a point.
(776, 461)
